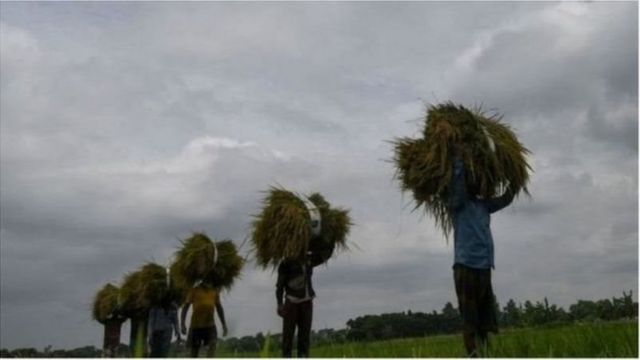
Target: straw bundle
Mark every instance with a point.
(493, 158)
(228, 266)
(105, 303)
(129, 291)
(194, 259)
(200, 258)
(283, 230)
(154, 287)
(143, 289)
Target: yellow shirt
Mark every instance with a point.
(204, 302)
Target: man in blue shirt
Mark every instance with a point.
(473, 252)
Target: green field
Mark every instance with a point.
(612, 339)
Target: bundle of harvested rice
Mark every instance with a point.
(201, 259)
(194, 259)
(143, 289)
(179, 286)
(493, 158)
(129, 292)
(155, 286)
(228, 267)
(105, 303)
(284, 228)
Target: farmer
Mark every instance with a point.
(202, 330)
(473, 252)
(163, 322)
(294, 296)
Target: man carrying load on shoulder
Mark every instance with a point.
(163, 322)
(202, 330)
(474, 257)
(294, 296)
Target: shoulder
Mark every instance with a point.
(287, 265)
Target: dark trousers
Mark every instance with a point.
(111, 338)
(160, 343)
(476, 303)
(207, 336)
(297, 315)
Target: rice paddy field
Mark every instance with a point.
(606, 339)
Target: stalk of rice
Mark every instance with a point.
(283, 228)
(493, 158)
(201, 259)
(105, 303)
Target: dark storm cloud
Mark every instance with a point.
(128, 126)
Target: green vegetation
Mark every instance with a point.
(606, 339)
(592, 340)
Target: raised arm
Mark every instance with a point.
(220, 311)
(318, 257)
(183, 317)
(280, 285)
(174, 321)
(500, 202)
(458, 185)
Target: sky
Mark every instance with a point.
(127, 126)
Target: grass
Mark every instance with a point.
(607, 339)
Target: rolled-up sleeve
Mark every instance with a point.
(500, 202)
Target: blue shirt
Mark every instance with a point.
(473, 243)
(163, 319)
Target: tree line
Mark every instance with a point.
(402, 325)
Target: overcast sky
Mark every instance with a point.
(126, 126)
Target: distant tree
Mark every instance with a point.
(629, 308)
(24, 353)
(512, 316)
(85, 352)
(583, 310)
(47, 350)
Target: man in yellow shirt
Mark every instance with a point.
(202, 330)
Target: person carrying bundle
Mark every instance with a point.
(107, 311)
(294, 296)
(456, 170)
(295, 233)
(474, 257)
(163, 322)
(202, 329)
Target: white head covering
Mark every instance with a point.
(316, 218)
